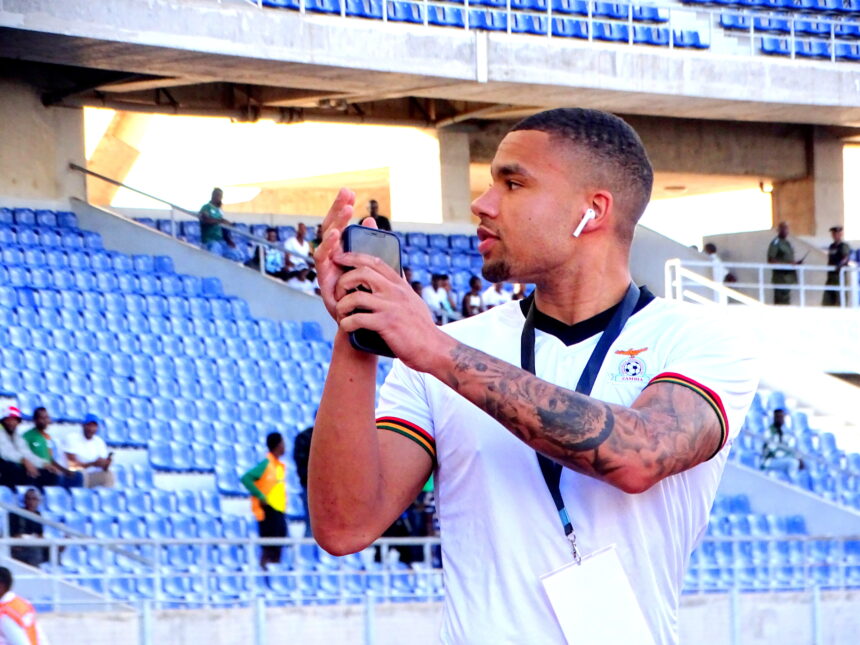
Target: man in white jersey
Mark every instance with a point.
(642, 454)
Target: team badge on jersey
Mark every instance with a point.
(632, 369)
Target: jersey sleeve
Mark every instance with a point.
(403, 408)
(720, 364)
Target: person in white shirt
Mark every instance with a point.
(18, 624)
(88, 452)
(494, 295)
(591, 395)
(299, 249)
(301, 282)
(437, 296)
(473, 303)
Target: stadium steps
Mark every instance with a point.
(266, 297)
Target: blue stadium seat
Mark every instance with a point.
(522, 24)
(57, 499)
(488, 20)
(688, 39)
(736, 21)
(84, 501)
(24, 216)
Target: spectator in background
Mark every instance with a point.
(417, 287)
(268, 487)
(211, 219)
(494, 296)
(299, 249)
(301, 454)
(438, 297)
(23, 527)
(277, 264)
(779, 452)
(473, 304)
(718, 269)
(19, 466)
(407, 274)
(838, 254)
(87, 452)
(780, 251)
(18, 624)
(42, 445)
(302, 282)
(382, 222)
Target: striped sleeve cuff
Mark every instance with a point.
(411, 431)
(706, 393)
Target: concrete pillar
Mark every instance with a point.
(38, 143)
(812, 204)
(828, 172)
(454, 170)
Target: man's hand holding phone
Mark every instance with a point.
(391, 307)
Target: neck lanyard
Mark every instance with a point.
(550, 470)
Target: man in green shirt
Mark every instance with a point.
(42, 445)
(212, 233)
(780, 251)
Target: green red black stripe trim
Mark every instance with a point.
(706, 393)
(411, 431)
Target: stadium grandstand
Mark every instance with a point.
(115, 307)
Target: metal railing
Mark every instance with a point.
(749, 26)
(261, 245)
(685, 283)
(722, 564)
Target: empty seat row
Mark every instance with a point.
(67, 238)
(785, 25)
(37, 256)
(134, 501)
(37, 217)
(834, 7)
(809, 49)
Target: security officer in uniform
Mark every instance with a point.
(780, 251)
(838, 254)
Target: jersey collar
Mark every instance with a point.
(578, 332)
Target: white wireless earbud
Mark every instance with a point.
(589, 214)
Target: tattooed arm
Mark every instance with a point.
(668, 429)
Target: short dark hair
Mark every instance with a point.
(710, 248)
(6, 578)
(41, 408)
(615, 152)
(271, 229)
(273, 440)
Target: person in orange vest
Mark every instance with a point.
(17, 616)
(267, 484)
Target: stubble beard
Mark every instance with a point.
(499, 271)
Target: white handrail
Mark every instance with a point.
(681, 273)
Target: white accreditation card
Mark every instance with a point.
(594, 602)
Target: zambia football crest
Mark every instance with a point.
(633, 368)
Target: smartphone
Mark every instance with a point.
(386, 246)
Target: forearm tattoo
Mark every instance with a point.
(671, 429)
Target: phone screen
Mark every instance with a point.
(386, 246)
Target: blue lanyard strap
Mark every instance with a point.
(551, 470)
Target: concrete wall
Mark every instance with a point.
(267, 297)
(784, 618)
(36, 146)
(766, 150)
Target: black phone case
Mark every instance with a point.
(363, 339)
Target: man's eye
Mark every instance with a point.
(512, 185)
